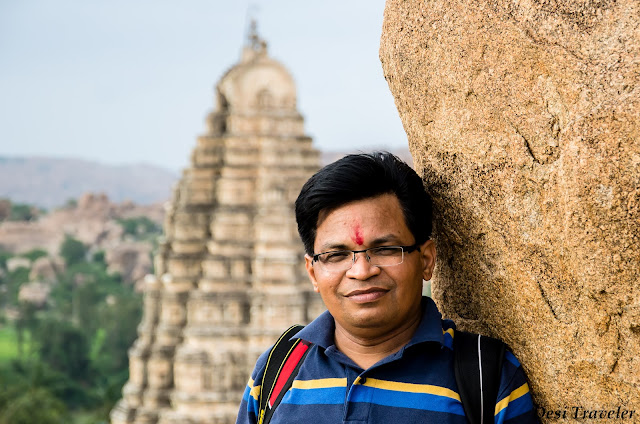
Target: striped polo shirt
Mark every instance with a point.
(414, 385)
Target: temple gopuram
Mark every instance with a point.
(229, 273)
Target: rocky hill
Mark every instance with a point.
(124, 232)
(50, 182)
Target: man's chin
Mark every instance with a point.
(369, 320)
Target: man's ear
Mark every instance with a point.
(308, 264)
(428, 257)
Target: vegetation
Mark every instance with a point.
(34, 254)
(141, 228)
(65, 361)
(18, 211)
(73, 251)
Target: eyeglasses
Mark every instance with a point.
(341, 260)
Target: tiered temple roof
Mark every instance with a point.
(229, 274)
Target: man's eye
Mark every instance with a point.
(386, 251)
(335, 257)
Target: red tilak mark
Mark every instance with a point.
(357, 237)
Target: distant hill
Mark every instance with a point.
(50, 182)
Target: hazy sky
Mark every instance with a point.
(128, 81)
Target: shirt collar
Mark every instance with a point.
(321, 330)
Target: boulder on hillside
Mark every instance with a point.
(36, 293)
(47, 269)
(132, 260)
(18, 262)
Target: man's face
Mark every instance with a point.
(380, 299)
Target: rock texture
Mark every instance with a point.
(229, 277)
(523, 118)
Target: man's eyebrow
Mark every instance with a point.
(388, 238)
(331, 246)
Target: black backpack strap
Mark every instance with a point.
(477, 366)
(283, 364)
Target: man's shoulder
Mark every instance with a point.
(260, 365)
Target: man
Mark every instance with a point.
(381, 353)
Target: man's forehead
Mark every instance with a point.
(342, 244)
(324, 213)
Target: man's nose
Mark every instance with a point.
(361, 269)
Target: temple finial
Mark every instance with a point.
(254, 41)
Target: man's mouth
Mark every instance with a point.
(366, 295)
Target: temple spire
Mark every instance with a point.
(254, 41)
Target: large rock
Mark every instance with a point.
(132, 260)
(47, 269)
(523, 118)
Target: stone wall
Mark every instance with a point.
(523, 118)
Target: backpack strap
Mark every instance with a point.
(477, 366)
(283, 365)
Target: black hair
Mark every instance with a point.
(362, 176)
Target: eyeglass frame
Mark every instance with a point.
(407, 249)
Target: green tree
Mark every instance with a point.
(34, 406)
(139, 226)
(14, 280)
(73, 251)
(99, 258)
(34, 254)
(119, 320)
(64, 348)
(27, 386)
(26, 323)
(4, 256)
(23, 212)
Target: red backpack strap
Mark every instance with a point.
(283, 364)
(285, 379)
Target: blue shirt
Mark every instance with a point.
(414, 385)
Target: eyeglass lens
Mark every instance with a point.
(378, 256)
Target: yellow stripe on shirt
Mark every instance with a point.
(450, 331)
(412, 388)
(254, 392)
(519, 392)
(321, 383)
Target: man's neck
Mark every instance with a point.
(366, 347)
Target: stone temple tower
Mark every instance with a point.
(229, 275)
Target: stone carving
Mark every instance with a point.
(229, 276)
(524, 120)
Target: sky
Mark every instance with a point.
(131, 81)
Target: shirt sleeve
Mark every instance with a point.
(514, 404)
(249, 406)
